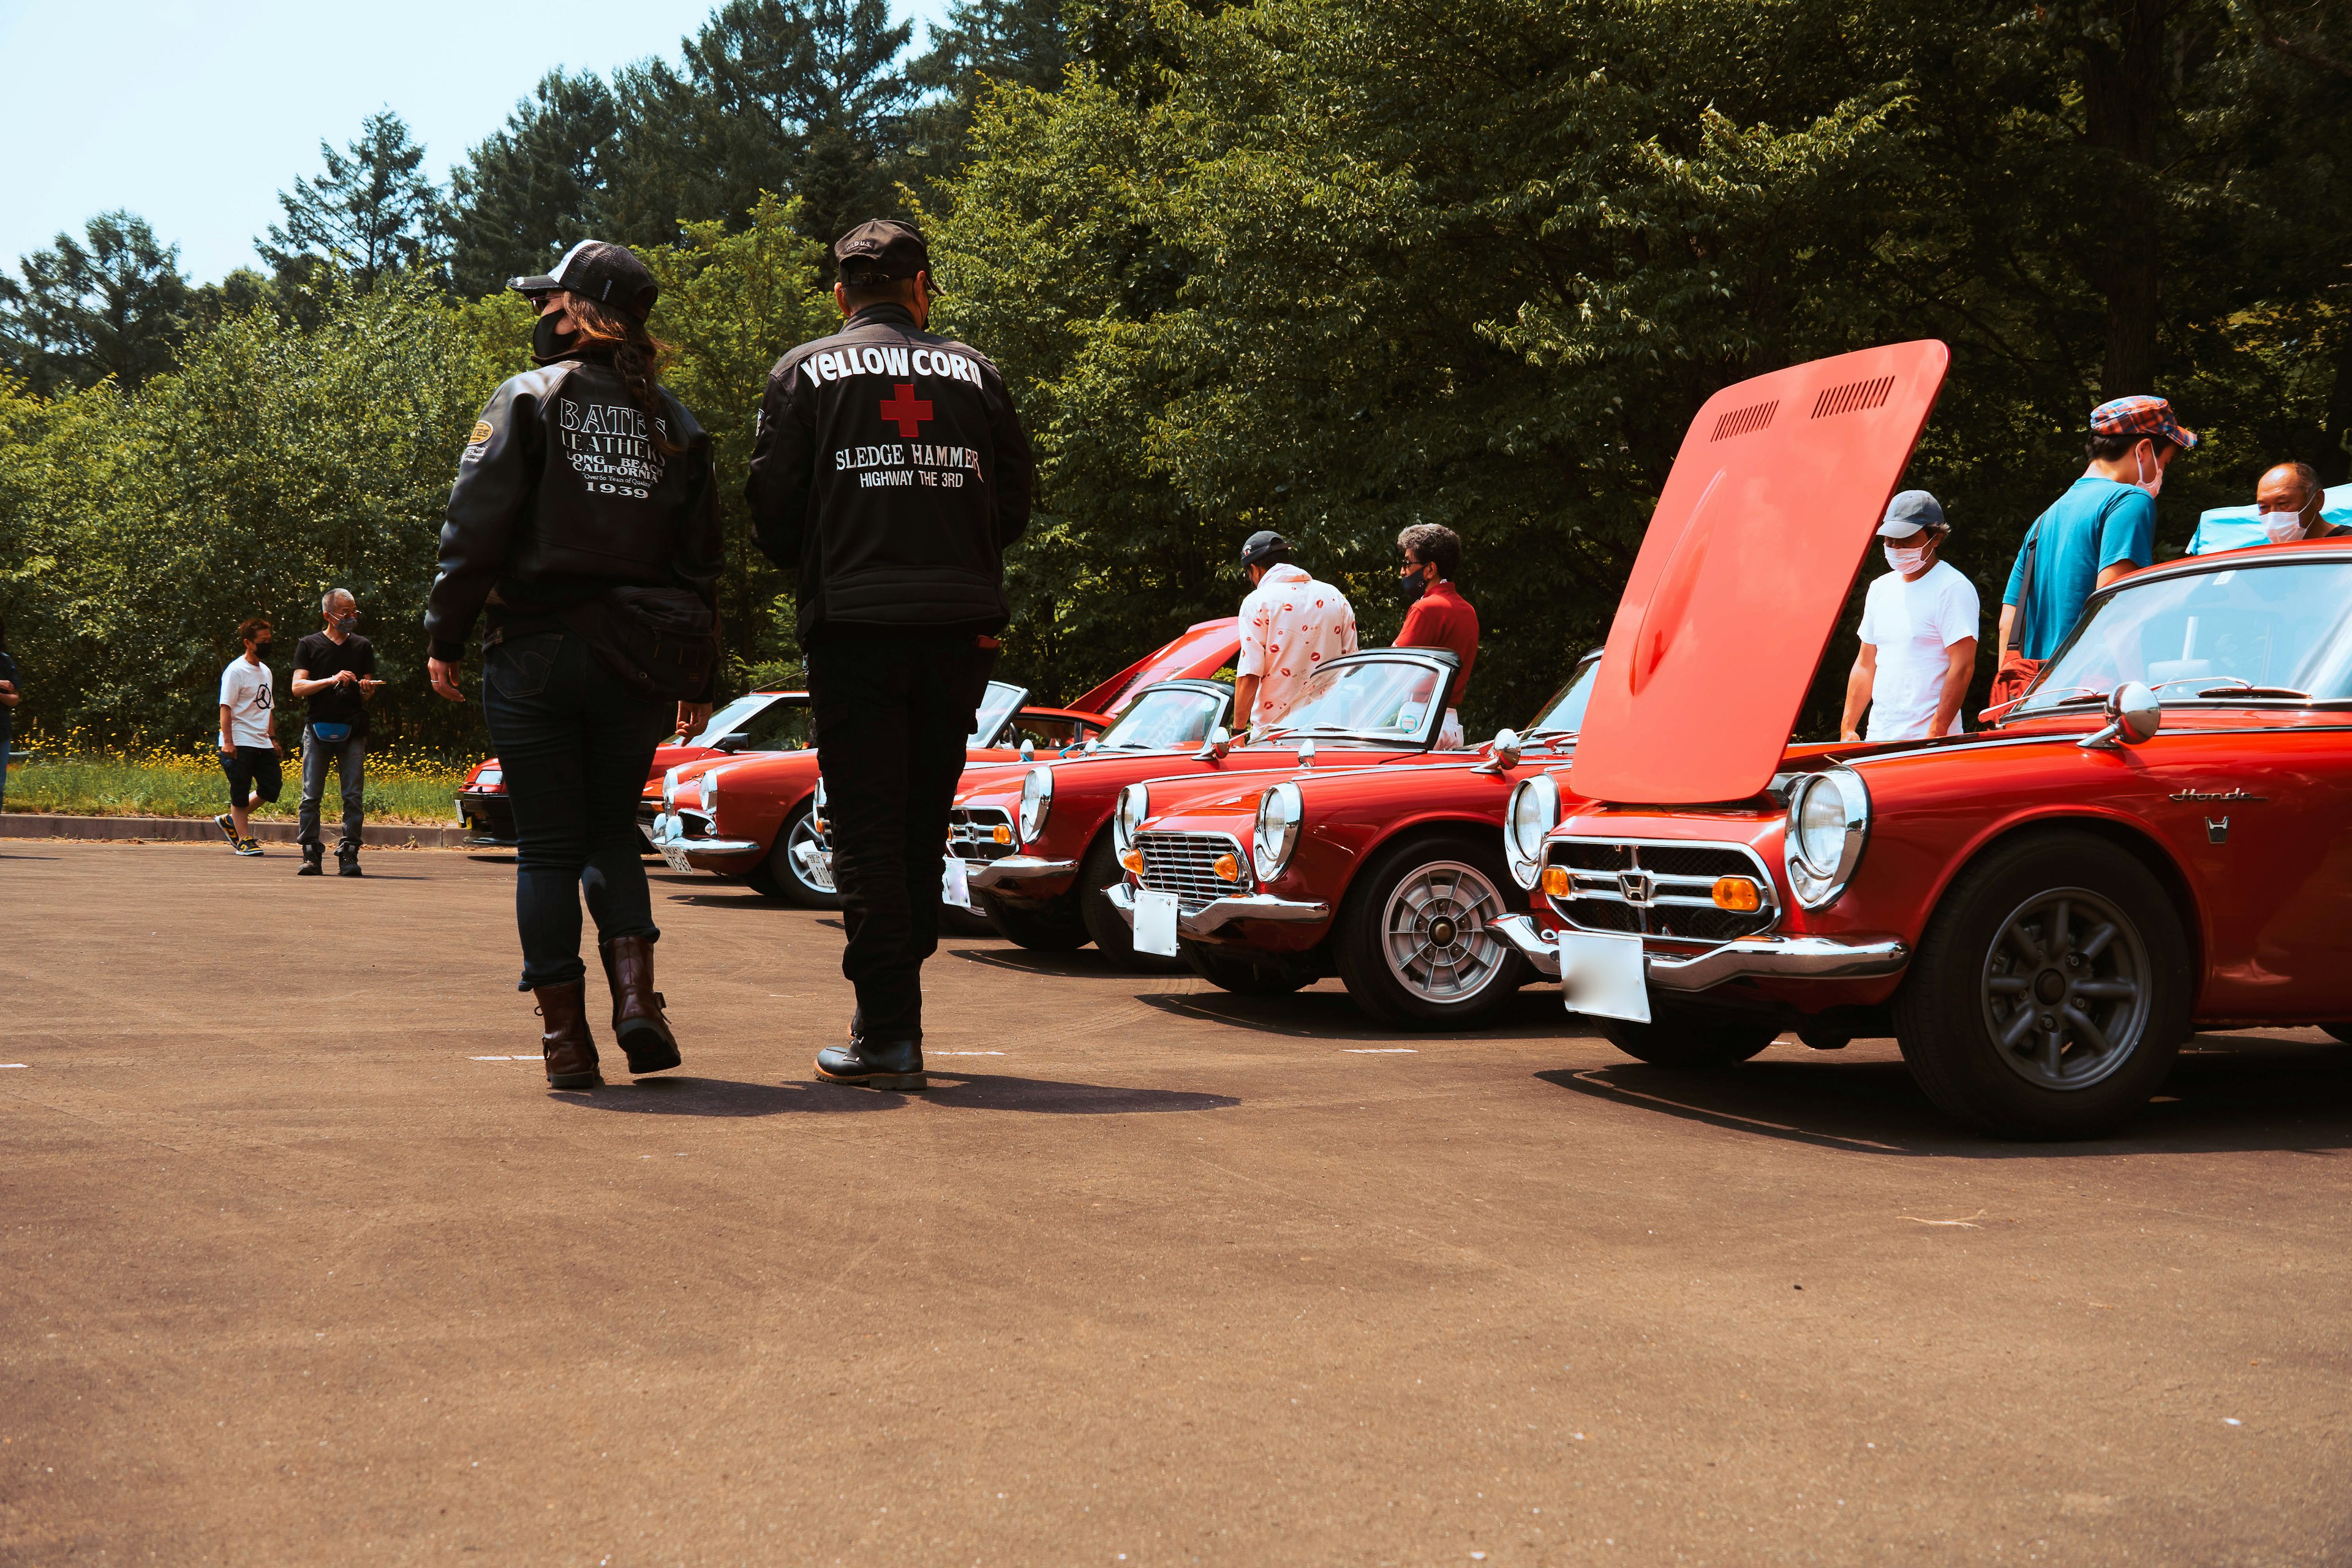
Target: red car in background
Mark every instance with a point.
(1392, 879)
(756, 721)
(756, 817)
(2150, 840)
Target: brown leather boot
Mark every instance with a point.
(637, 1020)
(564, 1041)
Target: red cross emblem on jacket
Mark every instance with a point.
(905, 410)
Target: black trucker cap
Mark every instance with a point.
(608, 274)
(1264, 546)
(882, 251)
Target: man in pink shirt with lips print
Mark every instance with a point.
(1291, 625)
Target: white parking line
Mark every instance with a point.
(15, 1064)
(1381, 1050)
(967, 1053)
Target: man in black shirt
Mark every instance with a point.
(889, 473)
(335, 671)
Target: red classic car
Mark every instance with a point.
(755, 817)
(2039, 913)
(1390, 878)
(756, 721)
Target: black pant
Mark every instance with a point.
(252, 770)
(893, 719)
(577, 745)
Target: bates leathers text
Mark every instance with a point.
(609, 445)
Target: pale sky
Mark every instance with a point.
(194, 116)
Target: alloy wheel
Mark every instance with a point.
(2066, 989)
(1434, 935)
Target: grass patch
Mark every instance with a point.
(141, 780)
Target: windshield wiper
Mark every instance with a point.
(2233, 686)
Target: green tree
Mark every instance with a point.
(82, 312)
(370, 213)
(535, 188)
(1017, 43)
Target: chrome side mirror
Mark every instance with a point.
(2132, 715)
(1502, 751)
(1307, 753)
(1214, 749)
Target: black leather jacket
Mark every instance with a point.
(561, 495)
(890, 473)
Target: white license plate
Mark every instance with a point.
(1602, 975)
(955, 887)
(1155, 923)
(674, 857)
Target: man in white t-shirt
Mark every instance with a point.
(1291, 627)
(1919, 626)
(248, 737)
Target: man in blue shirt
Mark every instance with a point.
(2102, 528)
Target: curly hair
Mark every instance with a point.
(1432, 544)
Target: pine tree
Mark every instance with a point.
(535, 188)
(371, 212)
(986, 44)
(84, 312)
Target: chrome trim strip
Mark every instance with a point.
(983, 874)
(1531, 942)
(669, 833)
(1219, 913)
(1780, 958)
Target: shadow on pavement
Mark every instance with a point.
(2228, 1092)
(1332, 1015)
(725, 1097)
(993, 1091)
(1085, 961)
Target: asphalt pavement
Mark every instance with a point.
(301, 1262)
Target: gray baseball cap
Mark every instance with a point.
(1908, 513)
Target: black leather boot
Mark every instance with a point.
(564, 1040)
(347, 862)
(637, 1020)
(312, 856)
(875, 1064)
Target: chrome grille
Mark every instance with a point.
(972, 833)
(1179, 863)
(1659, 889)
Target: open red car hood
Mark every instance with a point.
(1201, 651)
(1779, 484)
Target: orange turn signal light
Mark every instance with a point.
(1739, 893)
(1133, 861)
(1002, 835)
(1226, 867)
(1555, 882)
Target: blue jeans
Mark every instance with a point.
(350, 758)
(577, 745)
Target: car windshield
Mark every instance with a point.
(774, 723)
(1564, 714)
(997, 705)
(1163, 719)
(1378, 701)
(2282, 631)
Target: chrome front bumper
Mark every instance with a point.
(670, 842)
(1749, 958)
(1218, 913)
(1012, 871)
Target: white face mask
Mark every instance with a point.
(1906, 560)
(2283, 527)
(2152, 485)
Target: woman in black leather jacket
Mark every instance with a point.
(582, 478)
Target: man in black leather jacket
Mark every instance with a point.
(889, 475)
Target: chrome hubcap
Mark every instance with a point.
(819, 876)
(1433, 931)
(2066, 989)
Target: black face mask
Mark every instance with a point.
(261, 648)
(548, 340)
(1410, 589)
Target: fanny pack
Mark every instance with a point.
(332, 734)
(661, 642)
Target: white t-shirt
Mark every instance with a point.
(1290, 625)
(245, 689)
(1912, 625)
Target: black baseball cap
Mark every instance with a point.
(594, 269)
(882, 251)
(1263, 546)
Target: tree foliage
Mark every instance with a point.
(81, 312)
(371, 211)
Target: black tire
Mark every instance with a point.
(1242, 971)
(1043, 927)
(779, 875)
(1411, 942)
(954, 922)
(1113, 937)
(1989, 960)
(1689, 1041)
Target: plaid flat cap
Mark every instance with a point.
(2140, 414)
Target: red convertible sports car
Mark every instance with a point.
(1392, 878)
(2149, 841)
(756, 817)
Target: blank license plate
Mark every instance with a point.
(956, 887)
(1155, 923)
(1602, 975)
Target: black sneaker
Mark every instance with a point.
(347, 866)
(228, 825)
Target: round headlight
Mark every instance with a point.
(1533, 812)
(1821, 825)
(1134, 805)
(1036, 802)
(1828, 814)
(669, 790)
(1279, 812)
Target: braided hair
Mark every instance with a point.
(637, 357)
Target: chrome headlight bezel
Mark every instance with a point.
(1281, 811)
(1036, 802)
(1134, 805)
(1535, 800)
(710, 796)
(669, 790)
(1820, 858)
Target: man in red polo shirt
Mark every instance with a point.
(1440, 616)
